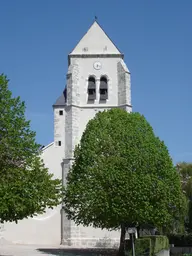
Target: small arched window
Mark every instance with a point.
(91, 88)
(103, 88)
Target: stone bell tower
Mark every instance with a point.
(97, 79)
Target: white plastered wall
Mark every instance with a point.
(45, 228)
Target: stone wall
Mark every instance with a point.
(59, 131)
(73, 94)
(124, 84)
(68, 229)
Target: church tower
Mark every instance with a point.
(97, 79)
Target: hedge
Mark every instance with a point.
(148, 245)
(159, 243)
(142, 247)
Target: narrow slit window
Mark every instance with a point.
(60, 112)
(59, 143)
(65, 94)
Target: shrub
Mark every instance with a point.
(142, 247)
(159, 243)
(148, 245)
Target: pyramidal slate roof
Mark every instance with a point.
(61, 101)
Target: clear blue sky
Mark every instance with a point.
(155, 36)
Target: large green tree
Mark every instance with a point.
(26, 187)
(122, 176)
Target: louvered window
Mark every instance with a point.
(91, 88)
(103, 88)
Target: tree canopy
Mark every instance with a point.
(26, 187)
(122, 173)
(185, 171)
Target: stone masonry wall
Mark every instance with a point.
(72, 110)
(73, 92)
(59, 131)
(71, 139)
(124, 84)
(65, 222)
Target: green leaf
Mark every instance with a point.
(26, 187)
(122, 173)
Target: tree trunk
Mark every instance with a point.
(121, 251)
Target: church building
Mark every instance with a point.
(97, 79)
